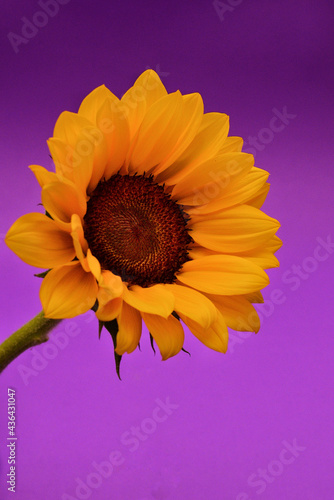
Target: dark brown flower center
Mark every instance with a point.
(136, 231)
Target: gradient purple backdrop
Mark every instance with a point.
(232, 414)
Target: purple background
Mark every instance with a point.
(233, 414)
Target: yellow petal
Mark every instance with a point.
(83, 167)
(62, 199)
(79, 241)
(68, 126)
(264, 259)
(109, 310)
(238, 312)
(112, 121)
(168, 333)
(62, 156)
(82, 140)
(215, 337)
(205, 145)
(193, 305)
(255, 297)
(91, 155)
(111, 286)
(260, 196)
(133, 107)
(43, 176)
(75, 161)
(148, 85)
(129, 329)
(155, 299)
(223, 274)
(274, 244)
(158, 133)
(198, 251)
(238, 192)
(93, 265)
(262, 256)
(231, 145)
(146, 90)
(93, 102)
(239, 229)
(68, 291)
(211, 179)
(38, 241)
(107, 113)
(191, 120)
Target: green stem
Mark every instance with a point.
(32, 333)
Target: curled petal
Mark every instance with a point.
(43, 176)
(93, 265)
(215, 337)
(79, 241)
(109, 310)
(129, 329)
(111, 286)
(155, 299)
(238, 312)
(167, 332)
(68, 291)
(62, 199)
(62, 155)
(38, 241)
(193, 304)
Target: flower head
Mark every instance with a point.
(152, 213)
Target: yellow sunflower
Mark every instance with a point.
(152, 213)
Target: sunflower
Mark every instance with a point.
(152, 213)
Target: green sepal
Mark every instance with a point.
(100, 328)
(152, 345)
(112, 327)
(95, 306)
(178, 318)
(43, 274)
